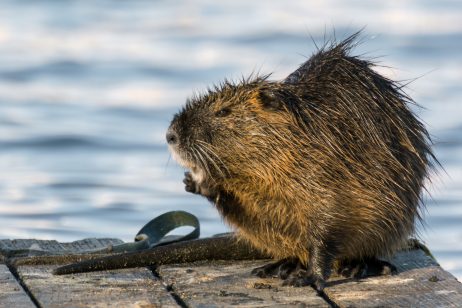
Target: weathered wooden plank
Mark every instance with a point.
(121, 288)
(223, 284)
(28, 247)
(420, 283)
(11, 293)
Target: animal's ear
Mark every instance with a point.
(269, 99)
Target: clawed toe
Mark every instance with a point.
(264, 271)
(299, 279)
(260, 272)
(190, 185)
(281, 269)
(287, 268)
(302, 278)
(292, 272)
(382, 268)
(364, 268)
(354, 270)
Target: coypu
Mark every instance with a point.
(323, 170)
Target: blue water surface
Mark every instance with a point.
(87, 90)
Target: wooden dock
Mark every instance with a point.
(26, 281)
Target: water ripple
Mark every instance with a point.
(76, 142)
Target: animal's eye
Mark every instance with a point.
(270, 100)
(223, 112)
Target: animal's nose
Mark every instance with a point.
(172, 137)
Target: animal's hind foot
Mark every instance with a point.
(281, 268)
(365, 268)
(292, 272)
(304, 277)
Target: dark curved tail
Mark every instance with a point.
(214, 248)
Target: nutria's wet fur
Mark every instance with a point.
(326, 166)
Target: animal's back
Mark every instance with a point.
(361, 159)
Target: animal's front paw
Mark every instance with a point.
(195, 187)
(190, 185)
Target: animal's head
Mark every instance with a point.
(242, 128)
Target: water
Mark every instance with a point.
(87, 89)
